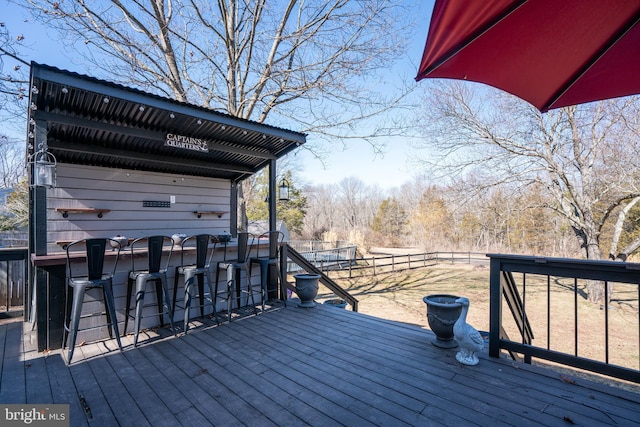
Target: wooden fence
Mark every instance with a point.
(13, 239)
(13, 273)
(370, 266)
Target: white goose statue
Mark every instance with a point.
(468, 338)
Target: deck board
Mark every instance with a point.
(251, 388)
(13, 385)
(63, 389)
(290, 367)
(200, 398)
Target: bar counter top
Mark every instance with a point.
(60, 258)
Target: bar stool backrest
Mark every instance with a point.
(95, 258)
(202, 245)
(243, 246)
(95, 250)
(155, 250)
(204, 253)
(275, 240)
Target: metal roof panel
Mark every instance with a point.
(95, 122)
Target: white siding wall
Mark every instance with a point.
(123, 192)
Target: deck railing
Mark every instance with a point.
(13, 274)
(290, 256)
(327, 259)
(570, 330)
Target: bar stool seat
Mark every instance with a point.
(269, 261)
(199, 270)
(95, 278)
(158, 248)
(233, 269)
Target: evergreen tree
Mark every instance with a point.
(291, 211)
(390, 220)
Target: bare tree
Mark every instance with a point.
(321, 212)
(14, 73)
(304, 61)
(345, 210)
(301, 63)
(585, 157)
(16, 210)
(12, 161)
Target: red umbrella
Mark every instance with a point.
(551, 53)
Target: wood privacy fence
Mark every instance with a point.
(13, 273)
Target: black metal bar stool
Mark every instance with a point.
(268, 261)
(199, 270)
(233, 269)
(92, 277)
(159, 249)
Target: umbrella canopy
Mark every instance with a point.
(550, 53)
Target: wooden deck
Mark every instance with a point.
(291, 367)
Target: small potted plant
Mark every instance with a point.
(336, 302)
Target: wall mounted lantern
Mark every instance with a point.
(43, 165)
(283, 190)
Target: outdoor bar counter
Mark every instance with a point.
(50, 322)
(106, 159)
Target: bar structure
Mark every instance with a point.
(133, 164)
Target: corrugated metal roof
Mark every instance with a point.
(95, 122)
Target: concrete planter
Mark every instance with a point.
(307, 289)
(442, 313)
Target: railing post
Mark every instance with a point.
(284, 267)
(495, 307)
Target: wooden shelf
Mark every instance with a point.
(66, 211)
(217, 213)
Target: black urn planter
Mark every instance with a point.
(307, 289)
(442, 313)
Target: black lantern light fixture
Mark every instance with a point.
(43, 165)
(283, 190)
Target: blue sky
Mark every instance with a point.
(358, 159)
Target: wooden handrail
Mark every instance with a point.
(296, 257)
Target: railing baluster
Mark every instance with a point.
(575, 315)
(606, 322)
(548, 312)
(524, 302)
